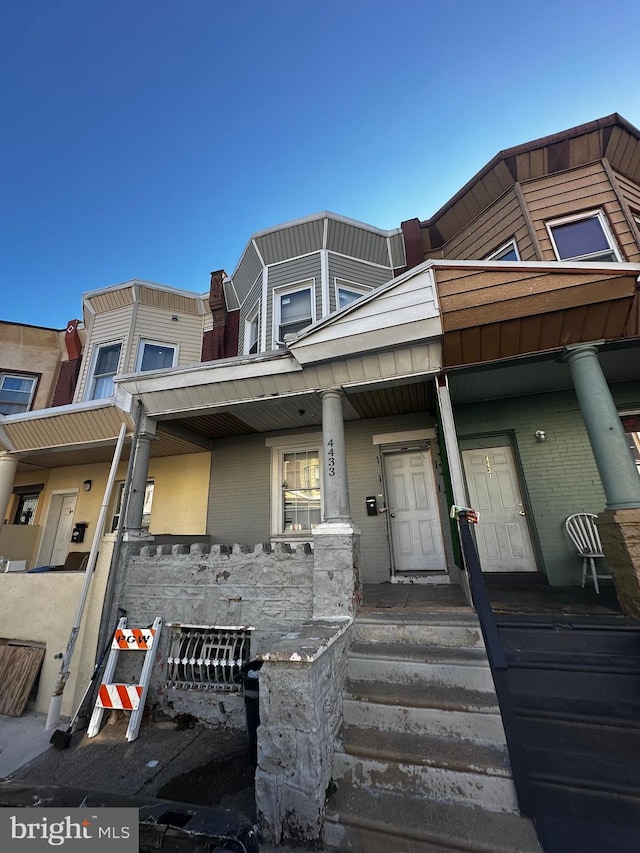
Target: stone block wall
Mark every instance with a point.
(301, 684)
(266, 588)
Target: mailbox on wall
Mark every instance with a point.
(77, 534)
(372, 505)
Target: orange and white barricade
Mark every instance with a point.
(126, 697)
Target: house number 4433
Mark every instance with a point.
(331, 459)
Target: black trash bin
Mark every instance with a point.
(249, 673)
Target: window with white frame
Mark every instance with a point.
(146, 507)
(347, 292)
(252, 331)
(16, 393)
(153, 355)
(583, 237)
(507, 252)
(293, 310)
(296, 502)
(105, 367)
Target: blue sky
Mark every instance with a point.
(150, 138)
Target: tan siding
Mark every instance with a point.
(501, 222)
(587, 188)
(106, 328)
(174, 302)
(623, 153)
(154, 324)
(111, 299)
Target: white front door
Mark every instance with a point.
(502, 534)
(412, 507)
(67, 504)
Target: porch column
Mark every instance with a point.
(139, 477)
(336, 486)
(619, 524)
(336, 541)
(454, 461)
(8, 465)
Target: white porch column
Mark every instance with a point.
(337, 589)
(454, 461)
(334, 456)
(8, 465)
(139, 477)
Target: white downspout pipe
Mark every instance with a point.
(53, 717)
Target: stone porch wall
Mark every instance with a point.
(301, 685)
(262, 587)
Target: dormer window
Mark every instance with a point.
(156, 356)
(105, 368)
(347, 292)
(585, 237)
(293, 310)
(16, 393)
(506, 252)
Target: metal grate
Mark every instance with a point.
(202, 658)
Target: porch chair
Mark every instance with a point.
(582, 530)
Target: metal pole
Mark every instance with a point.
(53, 717)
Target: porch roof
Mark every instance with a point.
(495, 310)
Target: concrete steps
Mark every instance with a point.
(421, 763)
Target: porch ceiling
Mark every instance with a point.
(539, 374)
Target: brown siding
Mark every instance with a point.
(586, 188)
(501, 222)
(630, 192)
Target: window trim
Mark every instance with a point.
(142, 343)
(352, 286)
(504, 249)
(279, 446)
(19, 374)
(598, 214)
(116, 509)
(286, 290)
(253, 315)
(91, 377)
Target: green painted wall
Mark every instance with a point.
(559, 475)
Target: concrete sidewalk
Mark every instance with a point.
(172, 760)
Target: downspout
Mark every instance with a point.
(53, 716)
(105, 618)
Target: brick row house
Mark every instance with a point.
(302, 429)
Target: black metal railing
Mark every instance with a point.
(498, 663)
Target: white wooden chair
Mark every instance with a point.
(583, 532)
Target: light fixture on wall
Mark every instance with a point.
(540, 435)
(86, 486)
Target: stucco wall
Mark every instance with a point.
(560, 474)
(41, 608)
(32, 349)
